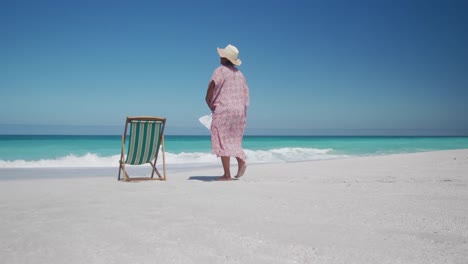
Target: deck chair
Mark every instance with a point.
(145, 139)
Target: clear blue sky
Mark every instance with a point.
(313, 67)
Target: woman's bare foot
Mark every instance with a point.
(241, 171)
(223, 178)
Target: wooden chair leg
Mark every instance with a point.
(164, 158)
(125, 174)
(153, 165)
(120, 169)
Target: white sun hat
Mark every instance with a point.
(231, 53)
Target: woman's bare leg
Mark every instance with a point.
(226, 166)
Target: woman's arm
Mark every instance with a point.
(209, 95)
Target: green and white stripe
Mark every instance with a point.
(144, 142)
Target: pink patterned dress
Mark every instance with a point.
(230, 101)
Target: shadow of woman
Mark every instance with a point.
(205, 178)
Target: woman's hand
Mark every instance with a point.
(209, 95)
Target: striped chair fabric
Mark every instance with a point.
(144, 141)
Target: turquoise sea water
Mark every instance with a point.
(104, 151)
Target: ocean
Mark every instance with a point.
(23, 151)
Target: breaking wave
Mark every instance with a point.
(181, 159)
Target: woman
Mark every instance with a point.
(228, 98)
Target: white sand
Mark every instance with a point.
(410, 208)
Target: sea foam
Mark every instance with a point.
(180, 159)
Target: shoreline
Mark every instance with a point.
(399, 208)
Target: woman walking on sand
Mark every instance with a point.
(228, 98)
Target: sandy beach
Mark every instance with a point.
(405, 208)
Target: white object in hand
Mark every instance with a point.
(206, 121)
